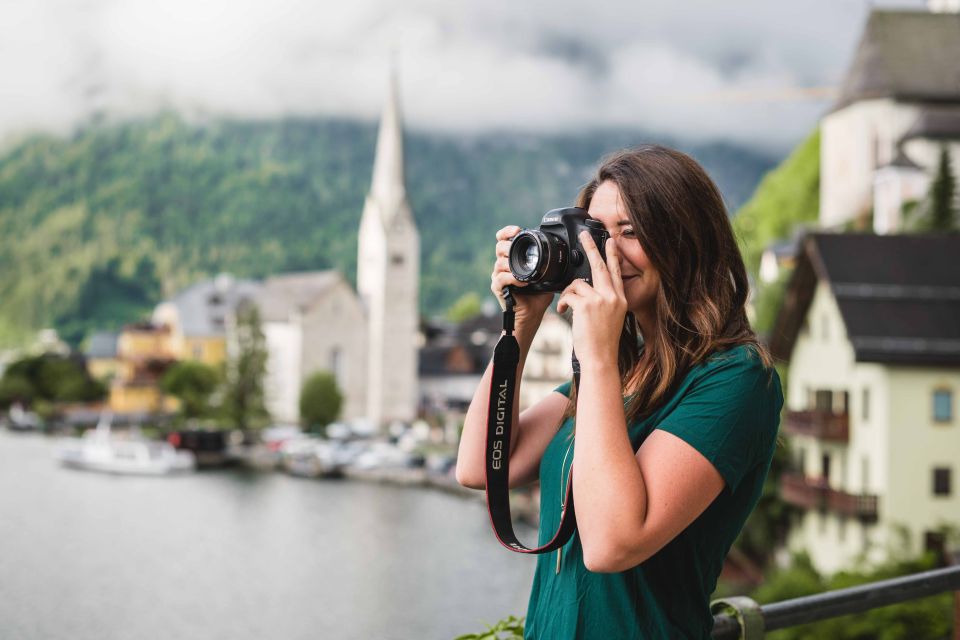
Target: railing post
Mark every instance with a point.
(747, 613)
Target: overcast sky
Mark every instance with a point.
(701, 69)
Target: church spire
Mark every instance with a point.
(388, 181)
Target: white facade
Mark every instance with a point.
(307, 334)
(388, 265)
(893, 187)
(548, 362)
(854, 142)
(857, 143)
(893, 447)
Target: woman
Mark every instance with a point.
(675, 423)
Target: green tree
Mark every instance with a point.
(192, 383)
(243, 391)
(943, 191)
(320, 400)
(49, 378)
(467, 306)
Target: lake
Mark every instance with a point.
(237, 555)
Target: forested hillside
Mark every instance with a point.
(97, 227)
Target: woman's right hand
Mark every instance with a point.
(529, 308)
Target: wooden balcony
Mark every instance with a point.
(862, 507)
(814, 493)
(834, 427)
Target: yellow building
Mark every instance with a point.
(133, 363)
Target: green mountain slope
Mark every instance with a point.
(786, 197)
(97, 227)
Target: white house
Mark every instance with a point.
(870, 327)
(312, 322)
(898, 106)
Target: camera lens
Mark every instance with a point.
(526, 252)
(536, 256)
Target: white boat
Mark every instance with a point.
(101, 450)
(310, 457)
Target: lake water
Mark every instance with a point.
(237, 555)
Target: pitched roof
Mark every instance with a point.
(937, 123)
(280, 296)
(202, 307)
(907, 55)
(899, 296)
(103, 344)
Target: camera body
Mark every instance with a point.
(551, 257)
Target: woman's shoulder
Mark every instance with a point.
(741, 366)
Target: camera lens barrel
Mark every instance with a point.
(537, 257)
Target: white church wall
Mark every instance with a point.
(855, 141)
(282, 382)
(334, 330)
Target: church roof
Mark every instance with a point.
(906, 55)
(899, 296)
(282, 295)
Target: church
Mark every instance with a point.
(315, 321)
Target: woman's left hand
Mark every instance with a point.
(598, 310)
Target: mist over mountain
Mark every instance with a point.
(98, 226)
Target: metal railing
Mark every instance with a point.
(742, 618)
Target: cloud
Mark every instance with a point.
(695, 69)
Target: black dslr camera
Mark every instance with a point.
(551, 257)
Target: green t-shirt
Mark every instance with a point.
(728, 409)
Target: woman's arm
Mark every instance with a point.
(533, 428)
(529, 437)
(628, 505)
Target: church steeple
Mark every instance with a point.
(388, 186)
(388, 277)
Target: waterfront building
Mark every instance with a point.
(198, 315)
(312, 322)
(144, 353)
(870, 327)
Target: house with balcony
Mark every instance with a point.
(870, 327)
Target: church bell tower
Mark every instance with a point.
(388, 266)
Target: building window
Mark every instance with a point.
(336, 365)
(865, 404)
(825, 468)
(942, 405)
(941, 481)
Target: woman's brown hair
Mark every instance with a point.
(679, 218)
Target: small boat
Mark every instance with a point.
(311, 458)
(101, 450)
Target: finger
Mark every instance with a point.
(579, 287)
(613, 264)
(598, 269)
(503, 248)
(502, 279)
(570, 298)
(502, 264)
(508, 232)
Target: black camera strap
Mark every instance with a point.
(503, 383)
